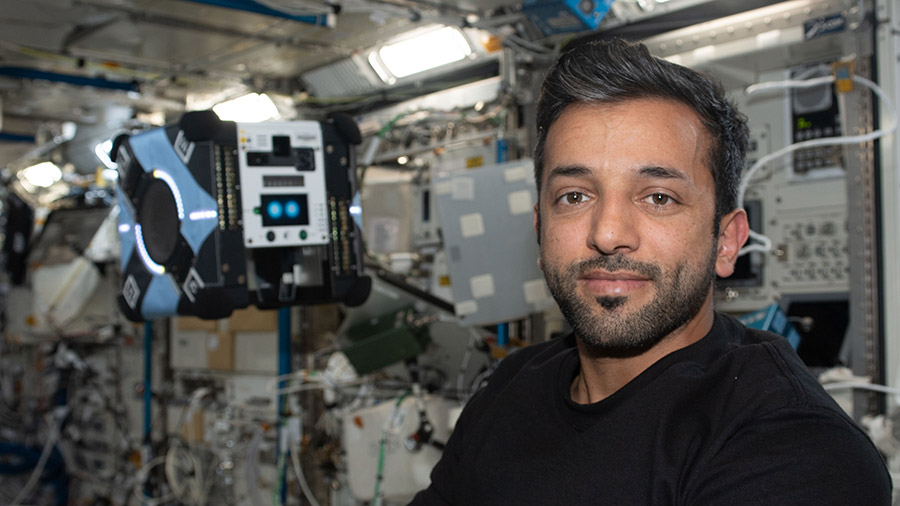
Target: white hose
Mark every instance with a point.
(890, 125)
(845, 385)
(301, 478)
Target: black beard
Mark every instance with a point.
(610, 303)
(680, 293)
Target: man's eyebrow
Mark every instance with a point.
(649, 171)
(567, 171)
(663, 173)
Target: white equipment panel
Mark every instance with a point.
(282, 176)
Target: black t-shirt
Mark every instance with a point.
(734, 419)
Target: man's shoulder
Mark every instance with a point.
(761, 373)
(740, 344)
(766, 406)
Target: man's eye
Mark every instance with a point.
(573, 198)
(659, 199)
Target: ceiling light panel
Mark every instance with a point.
(424, 51)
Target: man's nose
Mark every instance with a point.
(613, 226)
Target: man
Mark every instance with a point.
(654, 399)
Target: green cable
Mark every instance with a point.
(390, 124)
(376, 501)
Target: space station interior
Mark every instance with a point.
(293, 307)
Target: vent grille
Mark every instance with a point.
(346, 77)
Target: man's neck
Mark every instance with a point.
(602, 376)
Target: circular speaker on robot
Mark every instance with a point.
(158, 216)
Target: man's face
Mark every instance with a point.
(626, 219)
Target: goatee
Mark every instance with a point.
(607, 326)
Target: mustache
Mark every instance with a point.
(615, 263)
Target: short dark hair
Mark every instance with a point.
(614, 71)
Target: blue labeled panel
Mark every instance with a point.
(566, 16)
(126, 230)
(161, 298)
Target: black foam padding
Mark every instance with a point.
(200, 125)
(347, 127)
(358, 295)
(212, 304)
(114, 150)
(19, 225)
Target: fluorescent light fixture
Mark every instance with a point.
(157, 118)
(42, 175)
(102, 151)
(382, 72)
(250, 108)
(421, 52)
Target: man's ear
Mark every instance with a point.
(733, 233)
